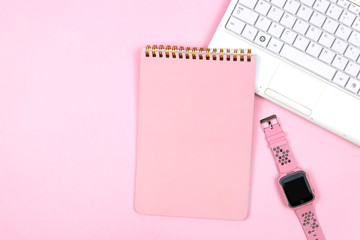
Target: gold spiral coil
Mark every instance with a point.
(214, 53)
(249, 55)
(242, 55)
(147, 50)
(161, 47)
(173, 51)
(193, 52)
(181, 49)
(209, 53)
(187, 52)
(167, 49)
(201, 53)
(153, 51)
(221, 57)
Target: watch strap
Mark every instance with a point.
(310, 222)
(279, 146)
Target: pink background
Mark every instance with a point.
(68, 83)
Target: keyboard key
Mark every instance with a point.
(288, 36)
(317, 19)
(352, 69)
(330, 25)
(308, 2)
(354, 8)
(248, 3)
(308, 62)
(353, 85)
(275, 29)
(355, 38)
(321, 5)
(339, 46)
(288, 20)
(292, 6)
(301, 42)
(347, 18)
(304, 12)
(343, 32)
(300, 26)
(262, 7)
(249, 32)
(263, 23)
(343, 3)
(326, 39)
(341, 79)
(339, 62)
(356, 24)
(334, 11)
(235, 25)
(327, 55)
(245, 14)
(352, 53)
(279, 3)
(275, 13)
(262, 39)
(314, 49)
(275, 45)
(313, 33)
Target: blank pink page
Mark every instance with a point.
(194, 137)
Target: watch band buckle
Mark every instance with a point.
(269, 122)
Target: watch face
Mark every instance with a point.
(297, 189)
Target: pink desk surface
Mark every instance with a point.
(68, 83)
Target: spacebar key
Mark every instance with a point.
(308, 62)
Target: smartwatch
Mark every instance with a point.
(294, 181)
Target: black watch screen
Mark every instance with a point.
(297, 189)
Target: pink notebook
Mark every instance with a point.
(194, 137)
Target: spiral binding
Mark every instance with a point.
(194, 53)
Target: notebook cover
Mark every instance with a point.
(194, 137)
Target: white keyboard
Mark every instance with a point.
(321, 36)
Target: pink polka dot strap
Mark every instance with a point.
(309, 222)
(277, 142)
